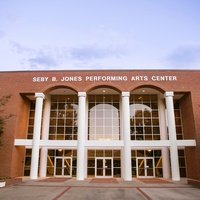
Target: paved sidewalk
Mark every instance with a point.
(90, 189)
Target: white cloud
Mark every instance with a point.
(20, 49)
(95, 52)
(77, 56)
(2, 34)
(187, 56)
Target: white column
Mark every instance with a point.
(36, 135)
(164, 136)
(121, 137)
(126, 137)
(81, 135)
(86, 136)
(45, 135)
(172, 136)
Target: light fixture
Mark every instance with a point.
(103, 91)
(143, 91)
(59, 150)
(149, 150)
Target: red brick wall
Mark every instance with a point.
(8, 138)
(21, 131)
(16, 83)
(22, 81)
(192, 154)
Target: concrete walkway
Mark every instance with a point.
(70, 189)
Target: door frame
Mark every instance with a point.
(63, 166)
(103, 158)
(145, 167)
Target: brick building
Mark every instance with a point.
(101, 123)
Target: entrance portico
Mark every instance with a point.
(111, 113)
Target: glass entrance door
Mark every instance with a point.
(145, 167)
(63, 166)
(104, 167)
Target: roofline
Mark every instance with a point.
(101, 70)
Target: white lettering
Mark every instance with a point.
(139, 78)
(106, 78)
(71, 78)
(40, 79)
(164, 78)
(54, 79)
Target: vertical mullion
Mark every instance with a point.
(57, 111)
(65, 121)
(103, 117)
(95, 117)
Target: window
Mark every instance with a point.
(181, 159)
(155, 154)
(31, 120)
(53, 153)
(27, 163)
(178, 121)
(144, 119)
(103, 117)
(63, 117)
(114, 154)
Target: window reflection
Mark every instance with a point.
(144, 119)
(63, 117)
(178, 121)
(103, 117)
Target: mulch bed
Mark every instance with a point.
(153, 180)
(54, 180)
(103, 180)
(12, 181)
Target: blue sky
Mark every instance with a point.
(99, 34)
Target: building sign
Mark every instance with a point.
(154, 78)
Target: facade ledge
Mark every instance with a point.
(150, 144)
(186, 143)
(94, 143)
(47, 143)
(160, 143)
(23, 142)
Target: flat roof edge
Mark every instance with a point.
(101, 70)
